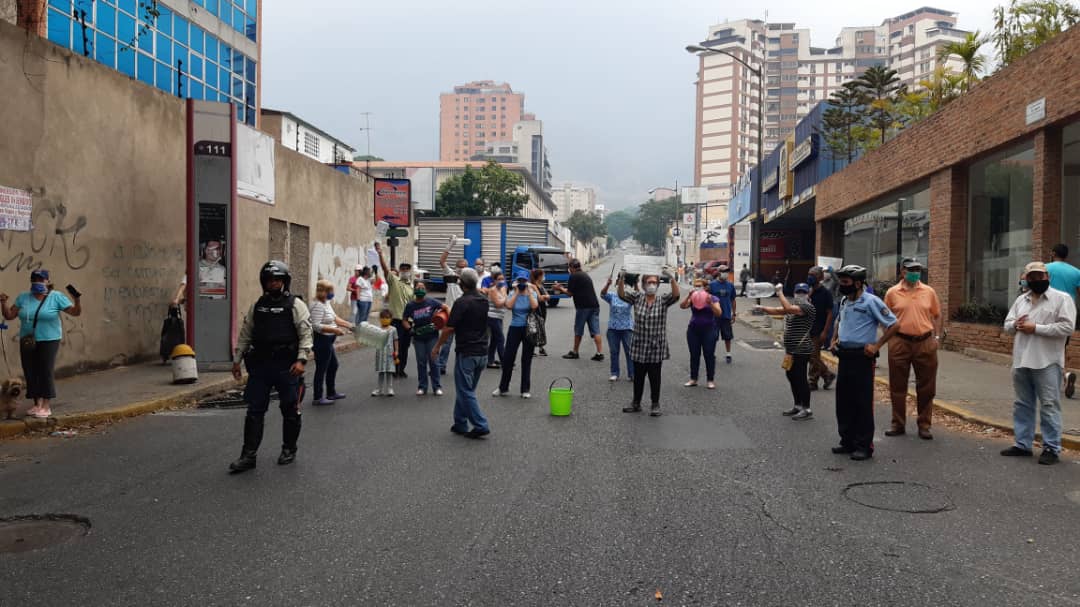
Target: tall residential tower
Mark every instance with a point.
(475, 115)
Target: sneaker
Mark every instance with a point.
(1015, 451)
(829, 381)
(475, 433)
(791, 412)
(376, 392)
(571, 355)
(492, 366)
(654, 411)
(438, 392)
(711, 385)
(803, 415)
(337, 396)
(1070, 384)
(323, 402)
(420, 392)
(287, 457)
(690, 384)
(597, 357)
(526, 395)
(861, 455)
(458, 431)
(390, 392)
(1049, 458)
(613, 378)
(498, 392)
(727, 359)
(632, 409)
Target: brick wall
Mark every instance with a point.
(992, 339)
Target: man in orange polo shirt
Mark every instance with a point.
(918, 311)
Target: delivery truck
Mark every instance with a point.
(518, 244)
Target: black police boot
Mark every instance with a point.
(290, 432)
(253, 431)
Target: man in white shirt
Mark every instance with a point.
(1041, 319)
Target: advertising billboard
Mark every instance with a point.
(392, 202)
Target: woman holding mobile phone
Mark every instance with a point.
(522, 299)
(40, 332)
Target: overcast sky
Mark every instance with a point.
(610, 80)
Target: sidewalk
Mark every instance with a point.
(121, 392)
(969, 388)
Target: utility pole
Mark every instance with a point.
(367, 135)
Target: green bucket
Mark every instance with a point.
(561, 400)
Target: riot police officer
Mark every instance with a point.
(275, 344)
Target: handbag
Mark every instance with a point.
(28, 344)
(535, 330)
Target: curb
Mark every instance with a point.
(950, 408)
(16, 427)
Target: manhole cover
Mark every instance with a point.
(761, 344)
(25, 533)
(899, 496)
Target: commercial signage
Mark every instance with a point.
(16, 208)
(806, 150)
(392, 197)
(739, 207)
(768, 182)
(786, 180)
(695, 196)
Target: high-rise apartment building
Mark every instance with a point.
(526, 148)
(569, 198)
(198, 49)
(797, 77)
(476, 114)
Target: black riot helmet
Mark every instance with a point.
(275, 269)
(854, 272)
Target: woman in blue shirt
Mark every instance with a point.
(38, 311)
(620, 331)
(522, 299)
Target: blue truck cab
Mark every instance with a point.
(551, 260)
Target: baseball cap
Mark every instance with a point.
(1035, 266)
(910, 263)
(39, 275)
(802, 287)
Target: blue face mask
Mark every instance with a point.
(329, 296)
(38, 288)
(811, 280)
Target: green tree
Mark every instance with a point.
(942, 87)
(654, 217)
(880, 85)
(845, 112)
(586, 227)
(493, 191)
(968, 52)
(1023, 25)
(620, 225)
(911, 107)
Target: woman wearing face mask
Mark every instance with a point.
(536, 277)
(649, 347)
(523, 298)
(418, 320)
(38, 311)
(701, 333)
(326, 327)
(620, 331)
(496, 294)
(798, 345)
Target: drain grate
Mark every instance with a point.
(36, 531)
(761, 344)
(233, 399)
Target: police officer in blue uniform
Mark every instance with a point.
(275, 345)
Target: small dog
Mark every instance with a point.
(10, 391)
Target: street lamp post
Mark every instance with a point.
(759, 72)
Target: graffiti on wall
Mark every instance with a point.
(335, 263)
(53, 233)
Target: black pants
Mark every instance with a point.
(404, 341)
(855, 399)
(38, 367)
(264, 376)
(326, 365)
(796, 376)
(515, 337)
(653, 371)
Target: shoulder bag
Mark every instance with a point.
(28, 344)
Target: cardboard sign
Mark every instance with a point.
(644, 264)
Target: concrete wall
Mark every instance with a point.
(104, 157)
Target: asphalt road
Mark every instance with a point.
(720, 502)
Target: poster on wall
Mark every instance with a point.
(392, 197)
(213, 273)
(16, 209)
(254, 164)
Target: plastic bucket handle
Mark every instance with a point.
(568, 380)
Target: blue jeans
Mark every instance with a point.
(467, 370)
(496, 341)
(702, 340)
(426, 367)
(326, 365)
(616, 338)
(363, 311)
(444, 355)
(587, 316)
(1044, 386)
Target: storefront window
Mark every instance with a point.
(1070, 198)
(886, 232)
(999, 245)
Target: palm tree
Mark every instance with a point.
(1026, 24)
(881, 86)
(943, 86)
(968, 52)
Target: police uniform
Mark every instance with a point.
(276, 334)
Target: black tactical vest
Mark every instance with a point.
(274, 332)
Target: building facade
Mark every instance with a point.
(569, 198)
(979, 189)
(527, 148)
(797, 77)
(305, 138)
(200, 49)
(476, 114)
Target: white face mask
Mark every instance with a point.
(801, 299)
(651, 288)
(406, 276)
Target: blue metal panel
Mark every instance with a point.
(475, 233)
